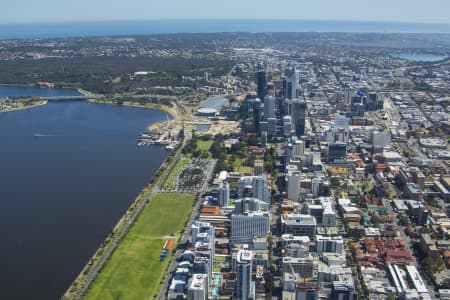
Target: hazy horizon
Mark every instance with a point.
(221, 19)
(404, 11)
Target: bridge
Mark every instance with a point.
(72, 98)
(125, 96)
(84, 97)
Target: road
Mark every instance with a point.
(185, 238)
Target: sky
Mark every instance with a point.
(29, 11)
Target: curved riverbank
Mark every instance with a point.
(170, 110)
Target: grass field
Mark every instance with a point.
(171, 180)
(220, 258)
(134, 270)
(204, 145)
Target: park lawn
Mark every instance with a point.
(171, 180)
(245, 170)
(204, 145)
(220, 258)
(134, 270)
(238, 163)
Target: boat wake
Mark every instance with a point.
(43, 135)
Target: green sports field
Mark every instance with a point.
(134, 270)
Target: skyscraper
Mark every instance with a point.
(294, 186)
(257, 115)
(287, 126)
(291, 84)
(261, 84)
(337, 152)
(244, 274)
(297, 111)
(269, 108)
(224, 194)
(260, 188)
(245, 227)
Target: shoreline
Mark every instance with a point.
(136, 104)
(81, 283)
(35, 104)
(37, 86)
(152, 126)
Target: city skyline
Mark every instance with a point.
(404, 11)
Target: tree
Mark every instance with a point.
(403, 220)
(370, 168)
(433, 265)
(391, 296)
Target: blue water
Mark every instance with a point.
(14, 90)
(421, 57)
(69, 170)
(110, 28)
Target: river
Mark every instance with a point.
(69, 170)
(421, 57)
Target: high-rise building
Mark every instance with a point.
(198, 288)
(358, 107)
(316, 210)
(299, 224)
(337, 152)
(316, 186)
(202, 265)
(224, 194)
(299, 148)
(203, 240)
(302, 266)
(244, 275)
(247, 226)
(269, 108)
(261, 189)
(294, 186)
(372, 101)
(257, 115)
(201, 227)
(246, 205)
(329, 244)
(261, 84)
(297, 111)
(291, 84)
(287, 126)
(423, 215)
(341, 121)
(254, 186)
(380, 139)
(263, 139)
(328, 217)
(343, 290)
(272, 126)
